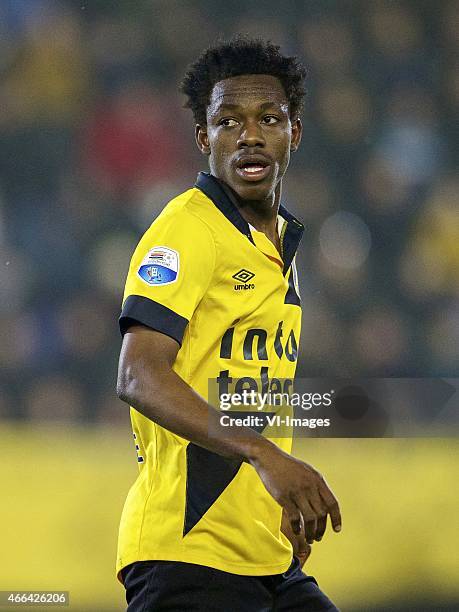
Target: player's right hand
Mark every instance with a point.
(302, 492)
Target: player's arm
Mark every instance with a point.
(147, 382)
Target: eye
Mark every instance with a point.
(227, 122)
(270, 119)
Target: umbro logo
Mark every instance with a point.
(244, 276)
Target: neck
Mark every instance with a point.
(262, 214)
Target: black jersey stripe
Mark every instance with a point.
(208, 475)
(139, 309)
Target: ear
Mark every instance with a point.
(202, 139)
(297, 131)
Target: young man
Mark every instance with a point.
(211, 296)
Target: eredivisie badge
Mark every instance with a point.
(160, 266)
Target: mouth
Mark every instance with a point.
(253, 168)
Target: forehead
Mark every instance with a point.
(247, 89)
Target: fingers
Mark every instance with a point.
(314, 512)
(332, 506)
(301, 549)
(321, 514)
(302, 518)
(321, 527)
(293, 516)
(307, 508)
(335, 517)
(310, 528)
(309, 519)
(314, 507)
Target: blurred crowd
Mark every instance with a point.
(94, 141)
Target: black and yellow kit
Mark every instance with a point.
(203, 276)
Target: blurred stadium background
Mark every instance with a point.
(93, 143)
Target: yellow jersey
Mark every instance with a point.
(203, 276)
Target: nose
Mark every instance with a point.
(251, 135)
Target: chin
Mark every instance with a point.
(253, 191)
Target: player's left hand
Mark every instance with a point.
(301, 549)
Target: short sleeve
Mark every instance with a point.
(169, 273)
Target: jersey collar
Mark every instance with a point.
(225, 200)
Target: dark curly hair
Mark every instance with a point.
(237, 56)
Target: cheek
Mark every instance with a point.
(283, 152)
(219, 148)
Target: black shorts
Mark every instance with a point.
(157, 586)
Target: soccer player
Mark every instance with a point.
(211, 295)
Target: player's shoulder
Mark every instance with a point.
(190, 211)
